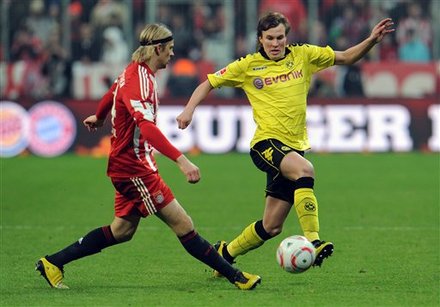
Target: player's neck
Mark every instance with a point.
(153, 65)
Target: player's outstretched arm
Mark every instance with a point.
(355, 53)
(158, 140)
(199, 94)
(93, 122)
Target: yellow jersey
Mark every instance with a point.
(277, 90)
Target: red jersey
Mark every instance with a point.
(134, 108)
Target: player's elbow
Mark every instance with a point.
(343, 58)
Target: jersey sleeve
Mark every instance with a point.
(155, 137)
(141, 110)
(106, 102)
(320, 57)
(232, 75)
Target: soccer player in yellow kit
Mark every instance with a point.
(276, 80)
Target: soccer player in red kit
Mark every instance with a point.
(140, 191)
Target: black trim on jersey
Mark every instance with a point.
(299, 44)
(264, 54)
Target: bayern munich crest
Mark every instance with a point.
(53, 129)
(159, 197)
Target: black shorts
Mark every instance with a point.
(267, 156)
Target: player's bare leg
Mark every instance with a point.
(179, 221)
(121, 230)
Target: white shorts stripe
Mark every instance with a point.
(146, 197)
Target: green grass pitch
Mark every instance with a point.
(380, 210)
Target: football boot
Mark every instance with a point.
(246, 281)
(322, 250)
(53, 274)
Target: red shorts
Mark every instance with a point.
(141, 195)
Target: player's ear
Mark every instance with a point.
(157, 49)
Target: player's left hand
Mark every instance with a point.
(384, 27)
(191, 171)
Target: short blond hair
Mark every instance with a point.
(151, 33)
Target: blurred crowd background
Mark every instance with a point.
(75, 48)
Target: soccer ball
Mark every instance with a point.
(295, 254)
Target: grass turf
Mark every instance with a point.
(380, 210)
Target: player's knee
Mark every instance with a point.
(294, 169)
(183, 227)
(274, 230)
(308, 170)
(305, 169)
(124, 236)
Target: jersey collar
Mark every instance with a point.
(263, 53)
(147, 67)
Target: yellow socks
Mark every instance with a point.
(244, 242)
(306, 207)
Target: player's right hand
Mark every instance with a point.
(92, 123)
(184, 119)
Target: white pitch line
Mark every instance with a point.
(391, 228)
(209, 228)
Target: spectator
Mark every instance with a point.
(183, 78)
(56, 67)
(388, 50)
(331, 10)
(182, 36)
(19, 10)
(349, 25)
(322, 88)
(164, 13)
(214, 25)
(115, 51)
(415, 21)
(200, 13)
(39, 22)
(318, 34)
(208, 20)
(25, 45)
(75, 13)
(396, 9)
(87, 47)
(414, 48)
(108, 13)
(23, 75)
(241, 47)
(352, 83)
